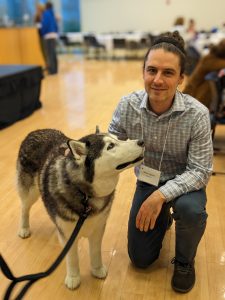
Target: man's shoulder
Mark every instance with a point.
(134, 99)
(194, 105)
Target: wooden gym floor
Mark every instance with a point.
(84, 94)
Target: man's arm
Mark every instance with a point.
(116, 125)
(199, 162)
(196, 176)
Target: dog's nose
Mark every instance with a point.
(140, 143)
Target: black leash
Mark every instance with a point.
(32, 278)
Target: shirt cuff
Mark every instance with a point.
(169, 193)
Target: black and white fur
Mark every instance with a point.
(64, 171)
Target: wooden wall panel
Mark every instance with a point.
(20, 46)
(9, 49)
(30, 47)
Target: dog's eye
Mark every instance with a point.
(110, 146)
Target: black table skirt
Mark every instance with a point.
(20, 88)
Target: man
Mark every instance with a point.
(177, 162)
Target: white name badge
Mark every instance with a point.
(149, 175)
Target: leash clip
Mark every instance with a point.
(86, 211)
(87, 207)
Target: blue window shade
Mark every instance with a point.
(3, 10)
(71, 15)
(16, 10)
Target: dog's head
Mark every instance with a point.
(103, 154)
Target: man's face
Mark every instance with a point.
(162, 76)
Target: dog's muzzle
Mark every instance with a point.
(141, 157)
(122, 166)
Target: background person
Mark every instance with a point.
(179, 25)
(49, 32)
(197, 86)
(177, 162)
(37, 21)
(191, 28)
(38, 15)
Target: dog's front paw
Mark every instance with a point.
(24, 233)
(72, 282)
(99, 272)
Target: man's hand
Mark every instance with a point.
(149, 211)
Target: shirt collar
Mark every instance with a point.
(144, 102)
(178, 103)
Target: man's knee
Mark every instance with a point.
(140, 256)
(189, 213)
(142, 261)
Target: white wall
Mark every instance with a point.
(148, 15)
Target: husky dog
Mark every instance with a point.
(65, 171)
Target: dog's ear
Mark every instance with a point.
(78, 149)
(97, 131)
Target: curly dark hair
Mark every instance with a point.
(171, 42)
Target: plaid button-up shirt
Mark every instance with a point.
(187, 157)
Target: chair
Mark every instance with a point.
(66, 45)
(93, 49)
(119, 48)
(132, 49)
(63, 44)
(143, 46)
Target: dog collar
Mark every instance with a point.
(87, 208)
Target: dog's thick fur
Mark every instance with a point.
(63, 172)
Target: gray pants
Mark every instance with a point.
(190, 221)
(51, 56)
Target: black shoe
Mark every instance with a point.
(183, 278)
